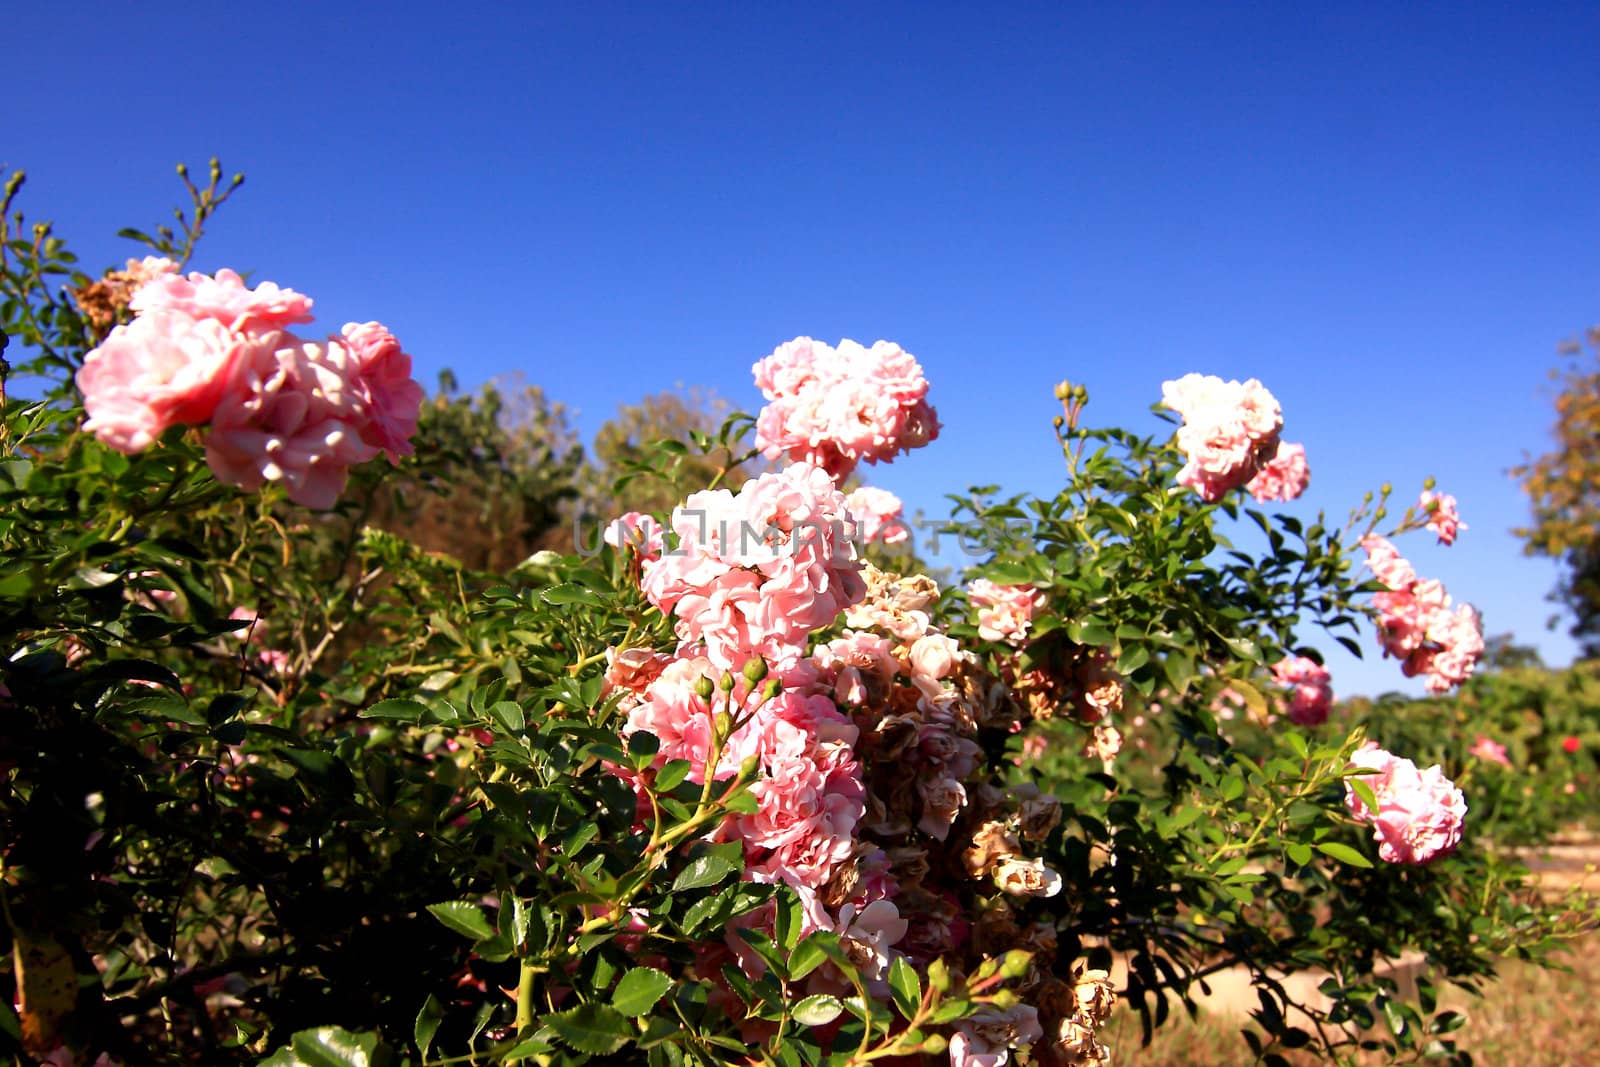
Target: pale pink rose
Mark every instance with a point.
(290, 415)
(835, 408)
(1310, 689)
(870, 935)
(986, 1038)
(1285, 477)
(1442, 518)
(877, 514)
(1419, 813)
(637, 531)
(224, 298)
(930, 660)
(1230, 430)
(389, 400)
(162, 369)
(1004, 611)
(1485, 748)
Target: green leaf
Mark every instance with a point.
(509, 714)
(593, 1028)
(399, 709)
(707, 870)
(329, 1046)
(1343, 853)
(639, 990)
(464, 917)
(819, 1009)
(905, 987)
(571, 593)
(427, 1024)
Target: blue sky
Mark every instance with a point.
(1388, 213)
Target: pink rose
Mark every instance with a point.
(224, 298)
(388, 400)
(1285, 477)
(289, 415)
(1310, 694)
(1442, 518)
(1419, 813)
(835, 408)
(1229, 432)
(1485, 748)
(877, 514)
(162, 369)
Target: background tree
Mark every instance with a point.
(1564, 486)
(625, 451)
(496, 478)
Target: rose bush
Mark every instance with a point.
(282, 786)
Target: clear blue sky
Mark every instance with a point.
(1388, 213)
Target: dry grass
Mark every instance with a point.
(1530, 1017)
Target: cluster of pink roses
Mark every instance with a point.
(1285, 477)
(755, 573)
(837, 407)
(1004, 611)
(209, 350)
(1310, 689)
(1416, 623)
(1229, 432)
(1419, 813)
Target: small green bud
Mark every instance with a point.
(1428, 483)
(749, 766)
(1059, 422)
(1380, 514)
(725, 683)
(1368, 498)
(1005, 999)
(722, 724)
(1015, 963)
(935, 1044)
(939, 976)
(1081, 395)
(1386, 488)
(755, 669)
(183, 170)
(703, 688)
(1063, 390)
(773, 688)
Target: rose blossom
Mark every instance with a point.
(162, 369)
(1417, 625)
(224, 298)
(877, 514)
(1486, 748)
(986, 1038)
(755, 573)
(1004, 611)
(290, 415)
(1311, 695)
(835, 408)
(1419, 813)
(1442, 518)
(638, 531)
(1284, 478)
(1230, 430)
